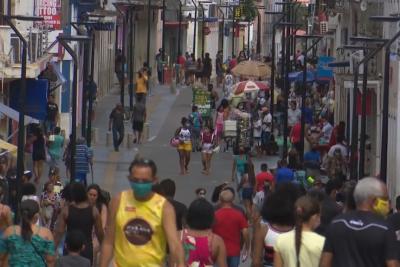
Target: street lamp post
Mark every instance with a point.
(385, 110)
(163, 34)
(304, 91)
(63, 40)
(273, 52)
(355, 173)
(223, 27)
(148, 32)
(179, 31)
(22, 99)
(194, 29)
(131, 57)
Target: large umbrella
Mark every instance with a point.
(250, 86)
(252, 68)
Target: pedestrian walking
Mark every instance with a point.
(301, 247)
(50, 203)
(138, 118)
(74, 243)
(116, 124)
(219, 70)
(55, 146)
(239, 166)
(185, 146)
(283, 173)
(362, 237)
(246, 187)
(141, 223)
(27, 244)
(199, 70)
(277, 218)
(141, 86)
(264, 176)
(159, 65)
(196, 122)
(52, 115)
(38, 153)
(231, 225)
(167, 189)
(207, 69)
(202, 247)
(80, 216)
(207, 147)
(266, 130)
(83, 158)
(96, 199)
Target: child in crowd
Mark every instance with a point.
(74, 243)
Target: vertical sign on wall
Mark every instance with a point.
(50, 11)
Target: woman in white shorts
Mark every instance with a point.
(207, 145)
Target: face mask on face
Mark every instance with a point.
(141, 190)
(381, 207)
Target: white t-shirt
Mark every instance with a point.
(327, 131)
(257, 128)
(294, 116)
(267, 120)
(343, 150)
(310, 250)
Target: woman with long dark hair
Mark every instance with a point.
(97, 200)
(27, 244)
(202, 247)
(277, 218)
(80, 215)
(301, 247)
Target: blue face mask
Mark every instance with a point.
(141, 190)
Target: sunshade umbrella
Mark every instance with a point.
(250, 86)
(252, 68)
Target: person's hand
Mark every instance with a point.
(245, 255)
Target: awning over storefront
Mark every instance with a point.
(32, 70)
(13, 114)
(8, 147)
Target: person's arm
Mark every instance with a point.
(60, 226)
(326, 259)
(246, 240)
(98, 225)
(107, 246)
(4, 248)
(174, 244)
(50, 256)
(104, 214)
(110, 120)
(9, 220)
(233, 170)
(221, 252)
(278, 262)
(258, 245)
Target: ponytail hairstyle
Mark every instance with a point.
(29, 208)
(305, 208)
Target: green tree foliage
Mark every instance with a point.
(250, 11)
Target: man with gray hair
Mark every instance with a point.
(362, 237)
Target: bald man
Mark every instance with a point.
(231, 225)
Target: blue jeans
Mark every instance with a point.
(80, 177)
(233, 261)
(265, 138)
(118, 137)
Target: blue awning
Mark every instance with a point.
(298, 76)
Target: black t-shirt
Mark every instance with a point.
(329, 210)
(394, 221)
(117, 118)
(52, 110)
(180, 212)
(360, 238)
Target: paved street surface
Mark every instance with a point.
(164, 114)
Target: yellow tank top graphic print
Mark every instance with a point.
(139, 235)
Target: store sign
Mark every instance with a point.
(50, 11)
(202, 99)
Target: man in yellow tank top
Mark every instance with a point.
(140, 224)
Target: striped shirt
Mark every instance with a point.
(83, 155)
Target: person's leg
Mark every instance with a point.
(187, 160)
(181, 161)
(121, 132)
(140, 137)
(209, 156)
(204, 161)
(115, 138)
(40, 168)
(35, 170)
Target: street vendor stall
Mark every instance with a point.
(202, 99)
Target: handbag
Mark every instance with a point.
(174, 142)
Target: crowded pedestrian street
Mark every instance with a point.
(201, 133)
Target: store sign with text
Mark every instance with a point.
(50, 11)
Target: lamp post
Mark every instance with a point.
(179, 31)
(385, 110)
(354, 130)
(273, 52)
(223, 28)
(148, 32)
(194, 29)
(317, 39)
(163, 34)
(63, 40)
(22, 99)
(202, 31)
